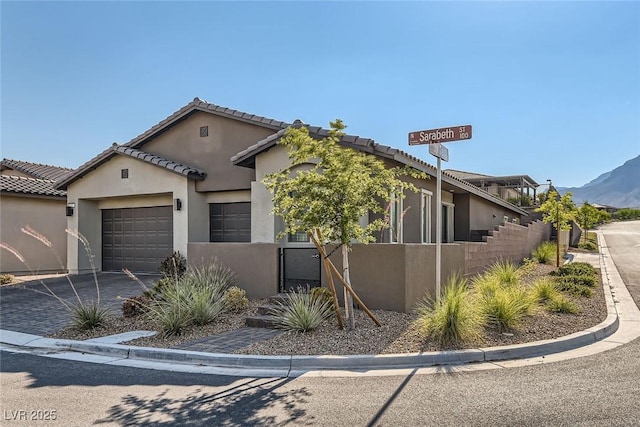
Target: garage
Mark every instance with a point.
(137, 239)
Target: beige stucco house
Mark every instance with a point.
(28, 198)
(192, 183)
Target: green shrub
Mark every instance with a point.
(159, 288)
(561, 304)
(582, 280)
(174, 266)
(213, 275)
(505, 272)
(323, 294)
(6, 279)
(455, 318)
(590, 246)
(235, 299)
(301, 312)
(628, 213)
(545, 253)
(575, 269)
(566, 284)
(88, 316)
(205, 305)
(506, 308)
(136, 306)
(172, 318)
(528, 266)
(485, 285)
(545, 290)
(196, 298)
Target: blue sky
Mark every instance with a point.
(552, 89)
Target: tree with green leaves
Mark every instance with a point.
(328, 189)
(559, 211)
(587, 217)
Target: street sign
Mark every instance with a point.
(436, 136)
(439, 151)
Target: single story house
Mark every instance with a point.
(28, 198)
(192, 183)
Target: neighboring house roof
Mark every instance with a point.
(465, 175)
(24, 185)
(36, 170)
(247, 158)
(191, 108)
(599, 206)
(188, 171)
(500, 180)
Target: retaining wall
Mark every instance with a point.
(509, 242)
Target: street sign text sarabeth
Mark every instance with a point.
(436, 136)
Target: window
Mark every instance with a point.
(447, 223)
(204, 131)
(230, 222)
(395, 219)
(299, 237)
(124, 173)
(425, 216)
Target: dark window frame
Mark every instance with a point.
(230, 222)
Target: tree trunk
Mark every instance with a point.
(348, 300)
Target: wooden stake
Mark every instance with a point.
(323, 253)
(332, 287)
(354, 295)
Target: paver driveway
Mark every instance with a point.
(24, 309)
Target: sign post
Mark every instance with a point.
(435, 138)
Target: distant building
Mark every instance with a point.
(518, 189)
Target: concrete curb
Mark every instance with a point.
(297, 365)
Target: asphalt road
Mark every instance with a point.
(598, 390)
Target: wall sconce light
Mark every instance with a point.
(178, 204)
(70, 207)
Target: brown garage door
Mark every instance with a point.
(136, 238)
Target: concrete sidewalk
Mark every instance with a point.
(621, 326)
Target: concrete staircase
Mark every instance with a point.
(263, 318)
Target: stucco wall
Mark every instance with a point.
(255, 264)
(385, 276)
(396, 276)
(47, 216)
(264, 227)
(182, 143)
(147, 185)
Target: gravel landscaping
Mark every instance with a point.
(400, 332)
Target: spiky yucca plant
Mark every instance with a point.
(89, 315)
(301, 312)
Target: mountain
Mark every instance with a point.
(619, 187)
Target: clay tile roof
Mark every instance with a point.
(194, 106)
(247, 158)
(23, 185)
(189, 172)
(36, 170)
